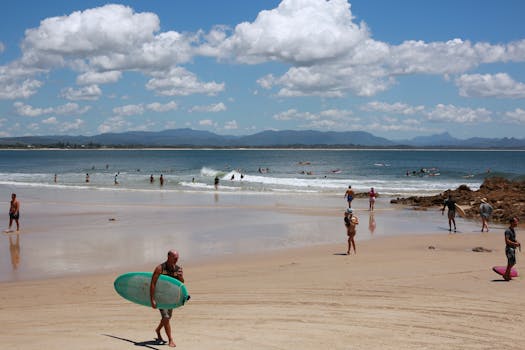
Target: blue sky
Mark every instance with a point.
(396, 69)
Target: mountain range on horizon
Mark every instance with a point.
(270, 138)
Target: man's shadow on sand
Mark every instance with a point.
(147, 344)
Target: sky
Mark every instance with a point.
(396, 69)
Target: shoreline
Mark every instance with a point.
(395, 293)
(84, 232)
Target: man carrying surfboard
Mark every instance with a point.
(169, 268)
(510, 247)
(451, 205)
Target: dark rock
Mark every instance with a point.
(506, 197)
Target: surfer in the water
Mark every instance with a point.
(170, 268)
(510, 247)
(451, 205)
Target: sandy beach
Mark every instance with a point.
(396, 293)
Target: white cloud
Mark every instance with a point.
(399, 125)
(16, 82)
(71, 109)
(159, 107)
(499, 85)
(231, 125)
(29, 111)
(336, 113)
(50, 120)
(450, 113)
(69, 126)
(91, 33)
(330, 119)
(214, 108)
(139, 109)
(293, 114)
(297, 32)
(179, 81)
(128, 110)
(207, 122)
(395, 108)
(25, 110)
(90, 78)
(87, 93)
(331, 55)
(516, 116)
(114, 124)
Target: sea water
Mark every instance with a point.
(286, 198)
(390, 172)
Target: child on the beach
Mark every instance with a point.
(351, 222)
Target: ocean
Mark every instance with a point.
(390, 172)
(285, 199)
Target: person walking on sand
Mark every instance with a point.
(169, 268)
(14, 212)
(216, 182)
(510, 247)
(372, 199)
(349, 195)
(485, 211)
(451, 205)
(351, 222)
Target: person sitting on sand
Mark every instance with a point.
(170, 268)
(451, 205)
(485, 211)
(510, 247)
(349, 195)
(350, 223)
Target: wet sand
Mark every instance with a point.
(72, 232)
(394, 294)
(279, 280)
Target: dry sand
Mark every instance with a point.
(394, 294)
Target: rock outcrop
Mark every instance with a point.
(506, 197)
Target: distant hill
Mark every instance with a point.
(285, 138)
(446, 140)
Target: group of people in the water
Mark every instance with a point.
(423, 172)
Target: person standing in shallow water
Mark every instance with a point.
(372, 199)
(451, 205)
(350, 222)
(169, 268)
(349, 195)
(485, 211)
(14, 212)
(510, 247)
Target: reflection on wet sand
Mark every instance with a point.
(14, 249)
(371, 223)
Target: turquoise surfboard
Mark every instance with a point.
(170, 293)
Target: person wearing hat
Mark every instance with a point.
(351, 222)
(485, 211)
